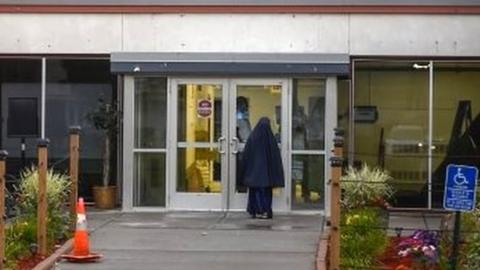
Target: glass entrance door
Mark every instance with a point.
(213, 121)
(199, 148)
(251, 100)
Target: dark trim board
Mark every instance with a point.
(241, 9)
(245, 2)
(231, 69)
(231, 64)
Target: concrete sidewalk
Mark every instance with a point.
(202, 240)
(213, 240)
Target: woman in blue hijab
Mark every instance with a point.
(262, 169)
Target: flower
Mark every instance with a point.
(422, 246)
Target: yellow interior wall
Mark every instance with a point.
(261, 102)
(401, 98)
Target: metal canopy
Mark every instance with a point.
(228, 64)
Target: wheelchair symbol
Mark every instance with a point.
(459, 178)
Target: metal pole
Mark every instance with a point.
(42, 197)
(430, 132)
(3, 156)
(456, 239)
(351, 126)
(43, 97)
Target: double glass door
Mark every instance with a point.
(212, 120)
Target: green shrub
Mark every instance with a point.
(470, 249)
(21, 233)
(365, 187)
(469, 244)
(58, 186)
(361, 243)
(472, 254)
(57, 190)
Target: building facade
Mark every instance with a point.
(191, 80)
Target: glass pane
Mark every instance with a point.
(239, 186)
(149, 179)
(308, 114)
(199, 112)
(456, 120)
(74, 88)
(150, 112)
(255, 102)
(308, 178)
(20, 86)
(391, 125)
(199, 170)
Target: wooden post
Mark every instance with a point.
(42, 197)
(336, 164)
(3, 156)
(74, 159)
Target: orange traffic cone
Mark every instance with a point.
(81, 244)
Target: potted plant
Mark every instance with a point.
(105, 119)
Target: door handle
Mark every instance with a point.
(220, 145)
(234, 144)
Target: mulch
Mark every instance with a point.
(29, 262)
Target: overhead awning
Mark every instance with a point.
(231, 64)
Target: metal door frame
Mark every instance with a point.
(175, 201)
(237, 201)
(188, 200)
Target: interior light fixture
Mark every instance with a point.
(418, 66)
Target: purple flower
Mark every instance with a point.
(421, 245)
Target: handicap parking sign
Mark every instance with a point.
(460, 188)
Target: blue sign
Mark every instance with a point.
(460, 188)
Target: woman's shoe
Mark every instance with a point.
(263, 216)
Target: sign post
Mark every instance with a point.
(459, 196)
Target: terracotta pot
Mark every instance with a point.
(105, 197)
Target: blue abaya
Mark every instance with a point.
(262, 169)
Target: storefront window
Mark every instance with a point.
(308, 143)
(20, 87)
(150, 112)
(456, 120)
(73, 89)
(150, 179)
(391, 125)
(150, 141)
(308, 115)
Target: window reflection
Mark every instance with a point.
(308, 115)
(74, 87)
(391, 126)
(150, 112)
(308, 181)
(150, 179)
